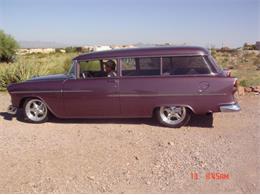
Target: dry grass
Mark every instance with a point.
(245, 65)
(28, 66)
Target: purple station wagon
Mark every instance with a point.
(170, 83)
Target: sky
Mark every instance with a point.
(86, 22)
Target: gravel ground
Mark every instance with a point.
(131, 155)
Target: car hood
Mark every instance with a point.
(49, 77)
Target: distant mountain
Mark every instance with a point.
(41, 44)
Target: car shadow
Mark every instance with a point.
(201, 121)
(10, 117)
(195, 121)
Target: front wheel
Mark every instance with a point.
(35, 111)
(173, 116)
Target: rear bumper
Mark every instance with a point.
(11, 109)
(230, 108)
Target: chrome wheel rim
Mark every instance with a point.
(172, 114)
(36, 110)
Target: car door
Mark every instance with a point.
(91, 97)
(139, 85)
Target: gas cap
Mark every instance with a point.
(204, 85)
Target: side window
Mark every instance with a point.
(185, 65)
(90, 65)
(129, 67)
(140, 66)
(97, 68)
(89, 69)
(128, 64)
(149, 64)
(110, 67)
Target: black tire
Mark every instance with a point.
(28, 117)
(185, 119)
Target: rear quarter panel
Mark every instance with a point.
(139, 96)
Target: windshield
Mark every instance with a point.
(72, 71)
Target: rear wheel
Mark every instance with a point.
(173, 116)
(35, 111)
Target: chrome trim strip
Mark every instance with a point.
(161, 65)
(77, 91)
(51, 91)
(144, 56)
(164, 95)
(230, 108)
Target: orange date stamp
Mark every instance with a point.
(210, 176)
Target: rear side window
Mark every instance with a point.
(149, 63)
(148, 66)
(185, 65)
(128, 64)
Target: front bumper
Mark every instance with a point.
(230, 108)
(11, 109)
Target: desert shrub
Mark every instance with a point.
(8, 47)
(70, 49)
(243, 83)
(28, 66)
(67, 64)
(16, 72)
(213, 52)
(257, 66)
(257, 60)
(60, 50)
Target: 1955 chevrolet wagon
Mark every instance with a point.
(170, 83)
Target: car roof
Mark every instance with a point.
(144, 52)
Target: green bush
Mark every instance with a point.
(243, 83)
(8, 47)
(28, 66)
(70, 49)
(16, 72)
(213, 52)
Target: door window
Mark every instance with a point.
(97, 68)
(147, 66)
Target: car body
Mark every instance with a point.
(146, 80)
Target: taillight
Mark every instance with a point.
(227, 72)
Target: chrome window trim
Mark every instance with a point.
(161, 66)
(146, 56)
(119, 70)
(74, 62)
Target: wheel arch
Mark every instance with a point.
(23, 100)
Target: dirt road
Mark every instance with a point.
(132, 155)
